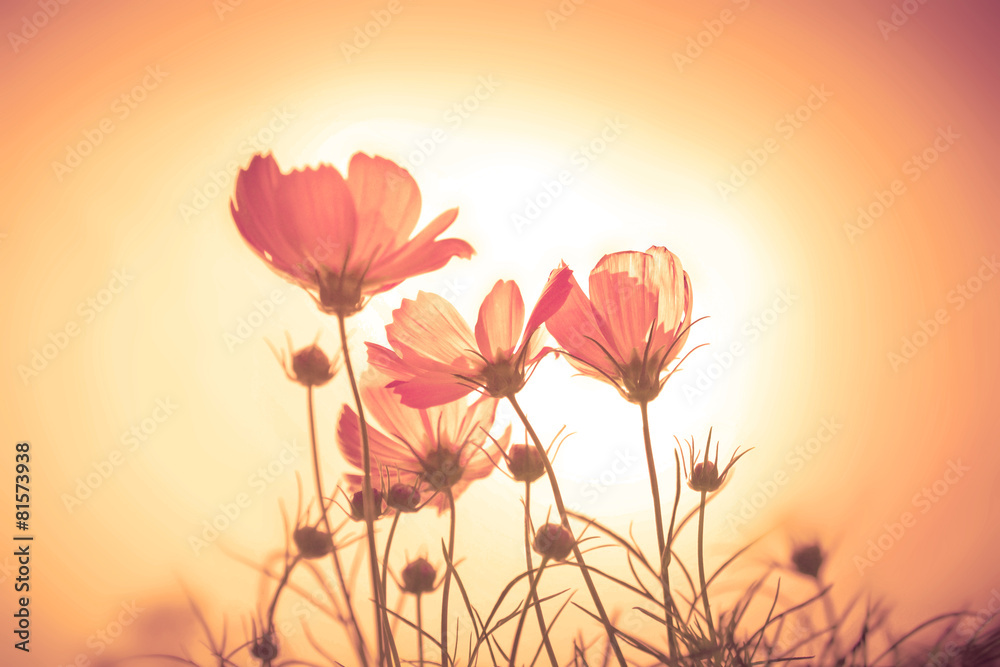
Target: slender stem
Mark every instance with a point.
(524, 612)
(534, 589)
(658, 517)
(675, 651)
(326, 524)
(561, 508)
(420, 632)
(366, 492)
(390, 640)
(701, 567)
(446, 588)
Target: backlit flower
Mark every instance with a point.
(440, 448)
(341, 240)
(436, 357)
(634, 323)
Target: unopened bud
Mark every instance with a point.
(403, 497)
(312, 543)
(554, 541)
(525, 463)
(418, 577)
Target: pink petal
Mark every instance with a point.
(554, 294)
(384, 451)
(575, 328)
(421, 255)
(387, 201)
(428, 333)
(429, 389)
(500, 320)
(296, 222)
(624, 292)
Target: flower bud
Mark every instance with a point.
(358, 505)
(705, 477)
(418, 577)
(554, 541)
(403, 497)
(808, 560)
(311, 367)
(264, 649)
(525, 463)
(311, 542)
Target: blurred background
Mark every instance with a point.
(823, 170)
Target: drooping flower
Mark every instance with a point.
(632, 326)
(436, 357)
(439, 448)
(341, 240)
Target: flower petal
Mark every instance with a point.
(575, 328)
(422, 254)
(553, 296)
(295, 222)
(501, 317)
(387, 201)
(384, 452)
(428, 333)
(624, 291)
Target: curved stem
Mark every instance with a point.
(420, 633)
(564, 518)
(446, 588)
(658, 517)
(701, 567)
(390, 640)
(366, 492)
(360, 648)
(534, 589)
(533, 596)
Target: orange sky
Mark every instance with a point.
(856, 353)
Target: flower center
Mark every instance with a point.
(340, 294)
(502, 379)
(442, 469)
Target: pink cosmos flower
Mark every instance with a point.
(635, 322)
(341, 240)
(443, 447)
(436, 358)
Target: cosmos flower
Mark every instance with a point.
(634, 324)
(439, 448)
(341, 240)
(436, 358)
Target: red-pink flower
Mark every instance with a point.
(341, 240)
(435, 356)
(635, 322)
(442, 448)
